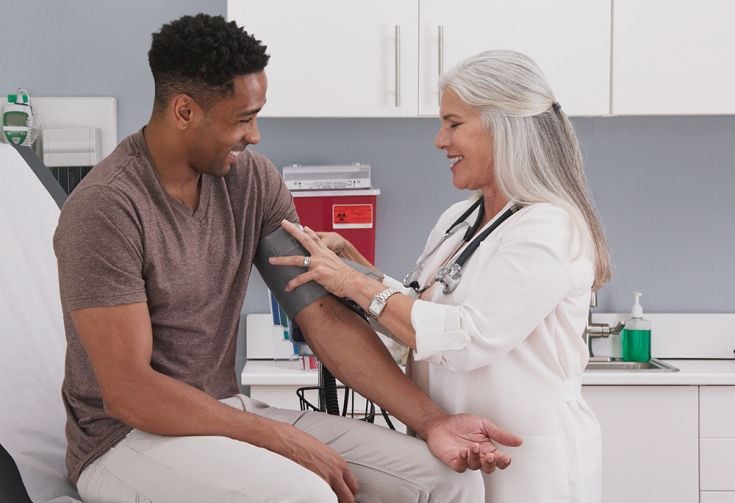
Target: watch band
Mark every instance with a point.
(377, 304)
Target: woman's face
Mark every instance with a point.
(468, 143)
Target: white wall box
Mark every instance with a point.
(79, 112)
(673, 57)
(71, 146)
(332, 58)
(650, 442)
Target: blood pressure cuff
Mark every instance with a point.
(280, 243)
(277, 244)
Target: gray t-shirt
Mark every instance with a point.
(122, 239)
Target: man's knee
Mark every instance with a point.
(312, 491)
(467, 487)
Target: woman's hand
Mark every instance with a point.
(324, 266)
(334, 242)
(345, 249)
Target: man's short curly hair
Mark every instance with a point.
(200, 55)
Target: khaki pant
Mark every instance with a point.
(390, 467)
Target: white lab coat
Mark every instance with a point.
(507, 344)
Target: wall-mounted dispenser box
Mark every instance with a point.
(70, 146)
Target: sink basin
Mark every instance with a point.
(616, 364)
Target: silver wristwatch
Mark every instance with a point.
(378, 303)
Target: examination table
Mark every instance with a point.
(32, 342)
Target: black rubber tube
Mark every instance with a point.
(329, 392)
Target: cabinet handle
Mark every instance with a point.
(440, 59)
(398, 66)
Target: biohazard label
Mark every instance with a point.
(352, 216)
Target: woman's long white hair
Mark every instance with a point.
(536, 153)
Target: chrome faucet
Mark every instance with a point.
(593, 330)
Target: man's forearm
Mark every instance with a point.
(158, 404)
(353, 353)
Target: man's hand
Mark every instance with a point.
(466, 441)
(320, 459)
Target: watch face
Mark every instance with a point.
(375, 308)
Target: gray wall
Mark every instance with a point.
(663, 185)
(89, 48)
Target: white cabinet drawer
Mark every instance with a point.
(640, 442)
(717, 412)
(716, 468)
(717, 497)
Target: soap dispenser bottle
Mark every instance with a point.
(637, 334)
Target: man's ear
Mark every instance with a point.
(184, 110)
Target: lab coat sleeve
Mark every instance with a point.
(519, 285)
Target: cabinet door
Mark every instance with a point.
(649, 442)
(717, 497)
(569, 39)
(673, 57)
(715, 464)
(717, 412)
(331, 58)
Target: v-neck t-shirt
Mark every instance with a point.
(123, 239)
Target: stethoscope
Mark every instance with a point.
(450, 274)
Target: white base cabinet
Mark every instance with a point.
(649, 442)
(667, 443)
(717, 497)
(717, 442)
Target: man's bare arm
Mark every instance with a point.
(351, 350)
(119, 342)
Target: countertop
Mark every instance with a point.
(691, 372)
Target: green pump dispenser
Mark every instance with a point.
(637, 334)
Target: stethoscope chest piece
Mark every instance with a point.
(450, 274)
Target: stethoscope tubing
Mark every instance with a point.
(450, 274)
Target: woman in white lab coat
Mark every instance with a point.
(506, 342)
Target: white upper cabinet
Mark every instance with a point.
(569, 39)
(673, 57)
(347, 58)
(336, 58)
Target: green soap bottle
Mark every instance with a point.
(637, 334)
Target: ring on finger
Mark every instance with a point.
(307, 261)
